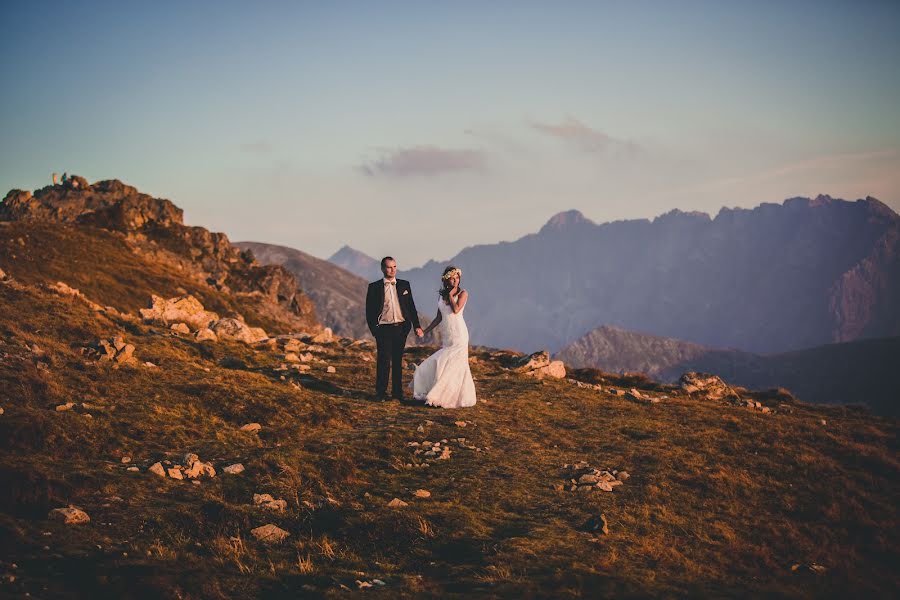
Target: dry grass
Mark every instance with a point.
(722, 501)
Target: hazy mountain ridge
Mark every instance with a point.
(339, 295)
(858, 372)
(772, 278)
(358, 263)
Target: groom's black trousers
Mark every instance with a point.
(390, 340)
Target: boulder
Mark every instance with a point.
(268, 502)
(199, 469)
(251, 427)
(70, 515)
(125, 354)
(158, 469)
(269, 534)
(234, 329)
(180, 328)
(554, 370)
(234, 469)
(710, 386)
(397, 503)
(181, 309)
(532, 362)
(206, 335)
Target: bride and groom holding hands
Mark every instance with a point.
(444, 378)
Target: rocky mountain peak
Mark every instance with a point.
(110, 204)
(680, 216)
(357, 262)
(566, 220)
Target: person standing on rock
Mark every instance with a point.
(390, 314)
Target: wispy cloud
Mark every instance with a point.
(582, 137)
(425, 161)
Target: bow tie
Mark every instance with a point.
(390, 283)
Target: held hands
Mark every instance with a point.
(419, 332)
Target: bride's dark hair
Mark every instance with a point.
(445, 291)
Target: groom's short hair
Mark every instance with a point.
(385, 259)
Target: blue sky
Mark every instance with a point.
(416, 129)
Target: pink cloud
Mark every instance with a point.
(426, 161)
(577, 134)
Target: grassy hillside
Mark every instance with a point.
(721, 501)
(101, 265)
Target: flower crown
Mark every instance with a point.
(446, 276)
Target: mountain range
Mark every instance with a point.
(774, 278)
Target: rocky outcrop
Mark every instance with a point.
(110, 204)
(183, 309)
(154, 229)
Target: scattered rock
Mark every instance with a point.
(234, 329)
(460, 423)
(331, 369)
(114, 349)
(585, 478)
(158, 469)
(234, 469)
(206, 335)
(180, 328)
(69, 515)
(397, 503)
(598, 524)
(251, 427)
(269, 534)
(422, 494)
(268, 502)
(133, 469)
(65, 407)
(125, 460)
(323, 338)
(198, 469)
(537, 360)
(555, 370)
(710, 386)
(182, 309)
(175, 473)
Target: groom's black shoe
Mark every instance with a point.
(380, 397)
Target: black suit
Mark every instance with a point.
(390, 339)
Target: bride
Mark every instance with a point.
(444, 378)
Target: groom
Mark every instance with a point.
(390, 313)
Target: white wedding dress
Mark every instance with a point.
(444, 378)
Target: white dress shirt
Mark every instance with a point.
(390, 311)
